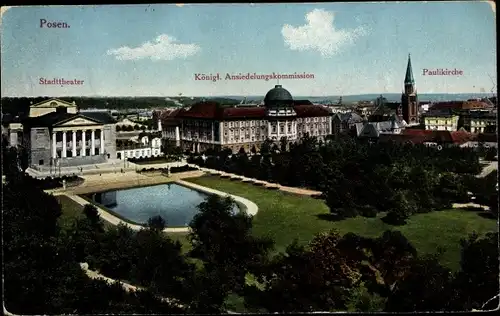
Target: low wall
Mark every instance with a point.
(243, 204)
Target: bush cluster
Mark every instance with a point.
(172, 169)
(53, 183)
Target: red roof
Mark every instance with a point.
(401, 138)
(419, 135)
(448, 105)
(311, 110)
(212, 110)
(170, 117)
(207, 109)
(417, 132)
(459, 105)
(244, 112)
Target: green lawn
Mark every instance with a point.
(71, 211)
(285, 216)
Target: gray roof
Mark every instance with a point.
(359, 128)
(373, 129)
(278, 96)
(104, 117)
(351, 117)
(53, 118)
(369, 130)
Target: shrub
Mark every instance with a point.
(395, 218)
(53, 183)
(184, 168)
(368, 211)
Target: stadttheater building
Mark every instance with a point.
(209, 125)
(56, 134)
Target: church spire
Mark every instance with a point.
(409, 73)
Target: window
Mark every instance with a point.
(40, 162)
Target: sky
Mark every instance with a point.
(157, 50)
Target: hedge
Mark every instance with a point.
(172, 169)
(146, 159)
(54, 183)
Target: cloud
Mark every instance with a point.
(164, 47)
(319, 34)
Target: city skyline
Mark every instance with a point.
(157, 50)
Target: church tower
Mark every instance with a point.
(409, 98)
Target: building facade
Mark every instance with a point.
(479, 121)
(444, 121)
(209, 125)
(56, 134)
(145, 146)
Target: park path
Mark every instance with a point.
(268, 184)
(492, 166)
(126, 286)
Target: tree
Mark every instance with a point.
(425, 287)
(254, 150)
(306, 279)
(23, 157)
(265, 148)
(157, 223)
(224, 243)
(158, 264)
(401, 207)
(390, 262)
(477, 280)
(490, 154)
(91, 213)
(283, 144)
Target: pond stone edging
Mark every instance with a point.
(245, 205)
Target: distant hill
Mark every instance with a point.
(16, 106)
(391, 97)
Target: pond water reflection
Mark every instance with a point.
(175, 203)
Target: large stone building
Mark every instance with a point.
(209, 125)
(56, 134)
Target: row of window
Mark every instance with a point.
(244, 123)
(140, 153)
(445, 122)
(244, 139)
(263, 122)
(482, 123)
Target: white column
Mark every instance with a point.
(74, 144)
(92, 140)
(83, 153)
(101, 151)
(54, 145)
(64, 145)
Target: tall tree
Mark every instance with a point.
(224, 243)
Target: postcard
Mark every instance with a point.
(250, 158)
